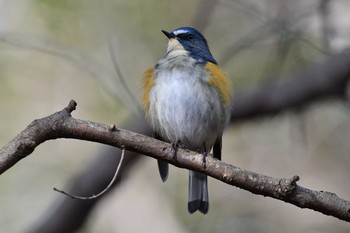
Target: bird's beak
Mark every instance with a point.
(169, 34)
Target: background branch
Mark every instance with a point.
(62, 125)
(318, 82)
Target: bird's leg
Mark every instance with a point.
(175, 146)
(205, 153)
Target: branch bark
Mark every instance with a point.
(62, 125)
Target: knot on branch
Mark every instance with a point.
(27, 146)
(71, 106)
(287, 186)
(112, 127)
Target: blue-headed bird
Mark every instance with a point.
(187, 100)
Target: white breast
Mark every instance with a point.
(183, 107)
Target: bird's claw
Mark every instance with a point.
(204, 161)
(175, 146)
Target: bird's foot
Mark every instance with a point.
(205, 154)
(204, 161)
(175, 146)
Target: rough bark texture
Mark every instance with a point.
(62, 125)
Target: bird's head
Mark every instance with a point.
(190, 40)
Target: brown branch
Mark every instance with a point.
(62, 125)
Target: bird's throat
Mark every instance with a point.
(173, 45)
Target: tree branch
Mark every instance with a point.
(62, 125)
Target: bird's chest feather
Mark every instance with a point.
(184, 107)
(178, 92)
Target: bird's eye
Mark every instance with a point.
(186, 36)
(190, 37)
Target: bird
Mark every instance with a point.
(187, 102)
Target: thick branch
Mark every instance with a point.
(62, 125)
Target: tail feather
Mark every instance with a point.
(163, 168)
(198, 198)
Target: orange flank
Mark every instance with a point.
(219, 80)
(148, 81)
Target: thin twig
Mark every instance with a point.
(78, 59)
(94, 196)
(267, 24)
(327, 28)
(121, 78)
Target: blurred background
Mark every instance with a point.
(54, 51)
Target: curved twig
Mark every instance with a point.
(94, 196)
